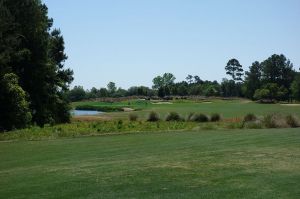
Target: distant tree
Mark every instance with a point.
(195, 89)
(262, 94)
(158, 82)
(271, 91)
(120, 92)
(210, 90)
(111, 87)
(161, 92)
(183, 89)
(77, 94)
(228, 88)
(278, 69)
(197, 79)
(166, 80)
(14, 108)
(103, 92)
(235, 70)
(93, 93)
(164, 84)
(295, 87)
(189, 79)
(253, 79)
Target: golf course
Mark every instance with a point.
(152, 99)
(174, 159)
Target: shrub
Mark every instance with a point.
(190, 117)
(133, 117)
(275, 121)
(293, 121)
(153, 117)
(99, 108)
(249, 117)
(215, 117)
(14, 107)
(120, 124)
(199, 117)
(173, 116)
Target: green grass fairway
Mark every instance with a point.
(227, 108)
(207, 164)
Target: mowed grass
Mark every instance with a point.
(206, 164)
(227, 108)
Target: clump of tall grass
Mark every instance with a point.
(250, 121)
(199, 117)
(133, 117)
(250, 117)
(190, 117)
(215, 117)
(173, 116)
(153, 117)
(275, 121)
(293, 121)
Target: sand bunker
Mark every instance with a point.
(127, 109)
(162, 103)
(290, 104)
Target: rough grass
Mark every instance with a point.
(205, 164)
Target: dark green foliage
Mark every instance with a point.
(278, 69)
(235, 70)
(293, 121)
(153, 117)
(36, 55)
(271, 79)
(111, 88)
(199, 117)
(120, 124)
(13, 105)
(250, 117)
(253, 79)
(99, 108)
(295, 87)
(271, 91)
(215, 117)
(140, 91)
(77, 94)
(173, 116)
(133, 117)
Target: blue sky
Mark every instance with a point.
(131, 41)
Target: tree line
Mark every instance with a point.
(270, 80)
(33, 80)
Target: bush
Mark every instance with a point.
(14, 108)
(190, 117)
(173, 116)
(153, 117)
(275, 121)
(249, 117)
(215, 117)
(120, 124)
(199, 118)
(133, 117)
(99, 108)
(293, 121)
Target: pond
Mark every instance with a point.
(84, 112)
